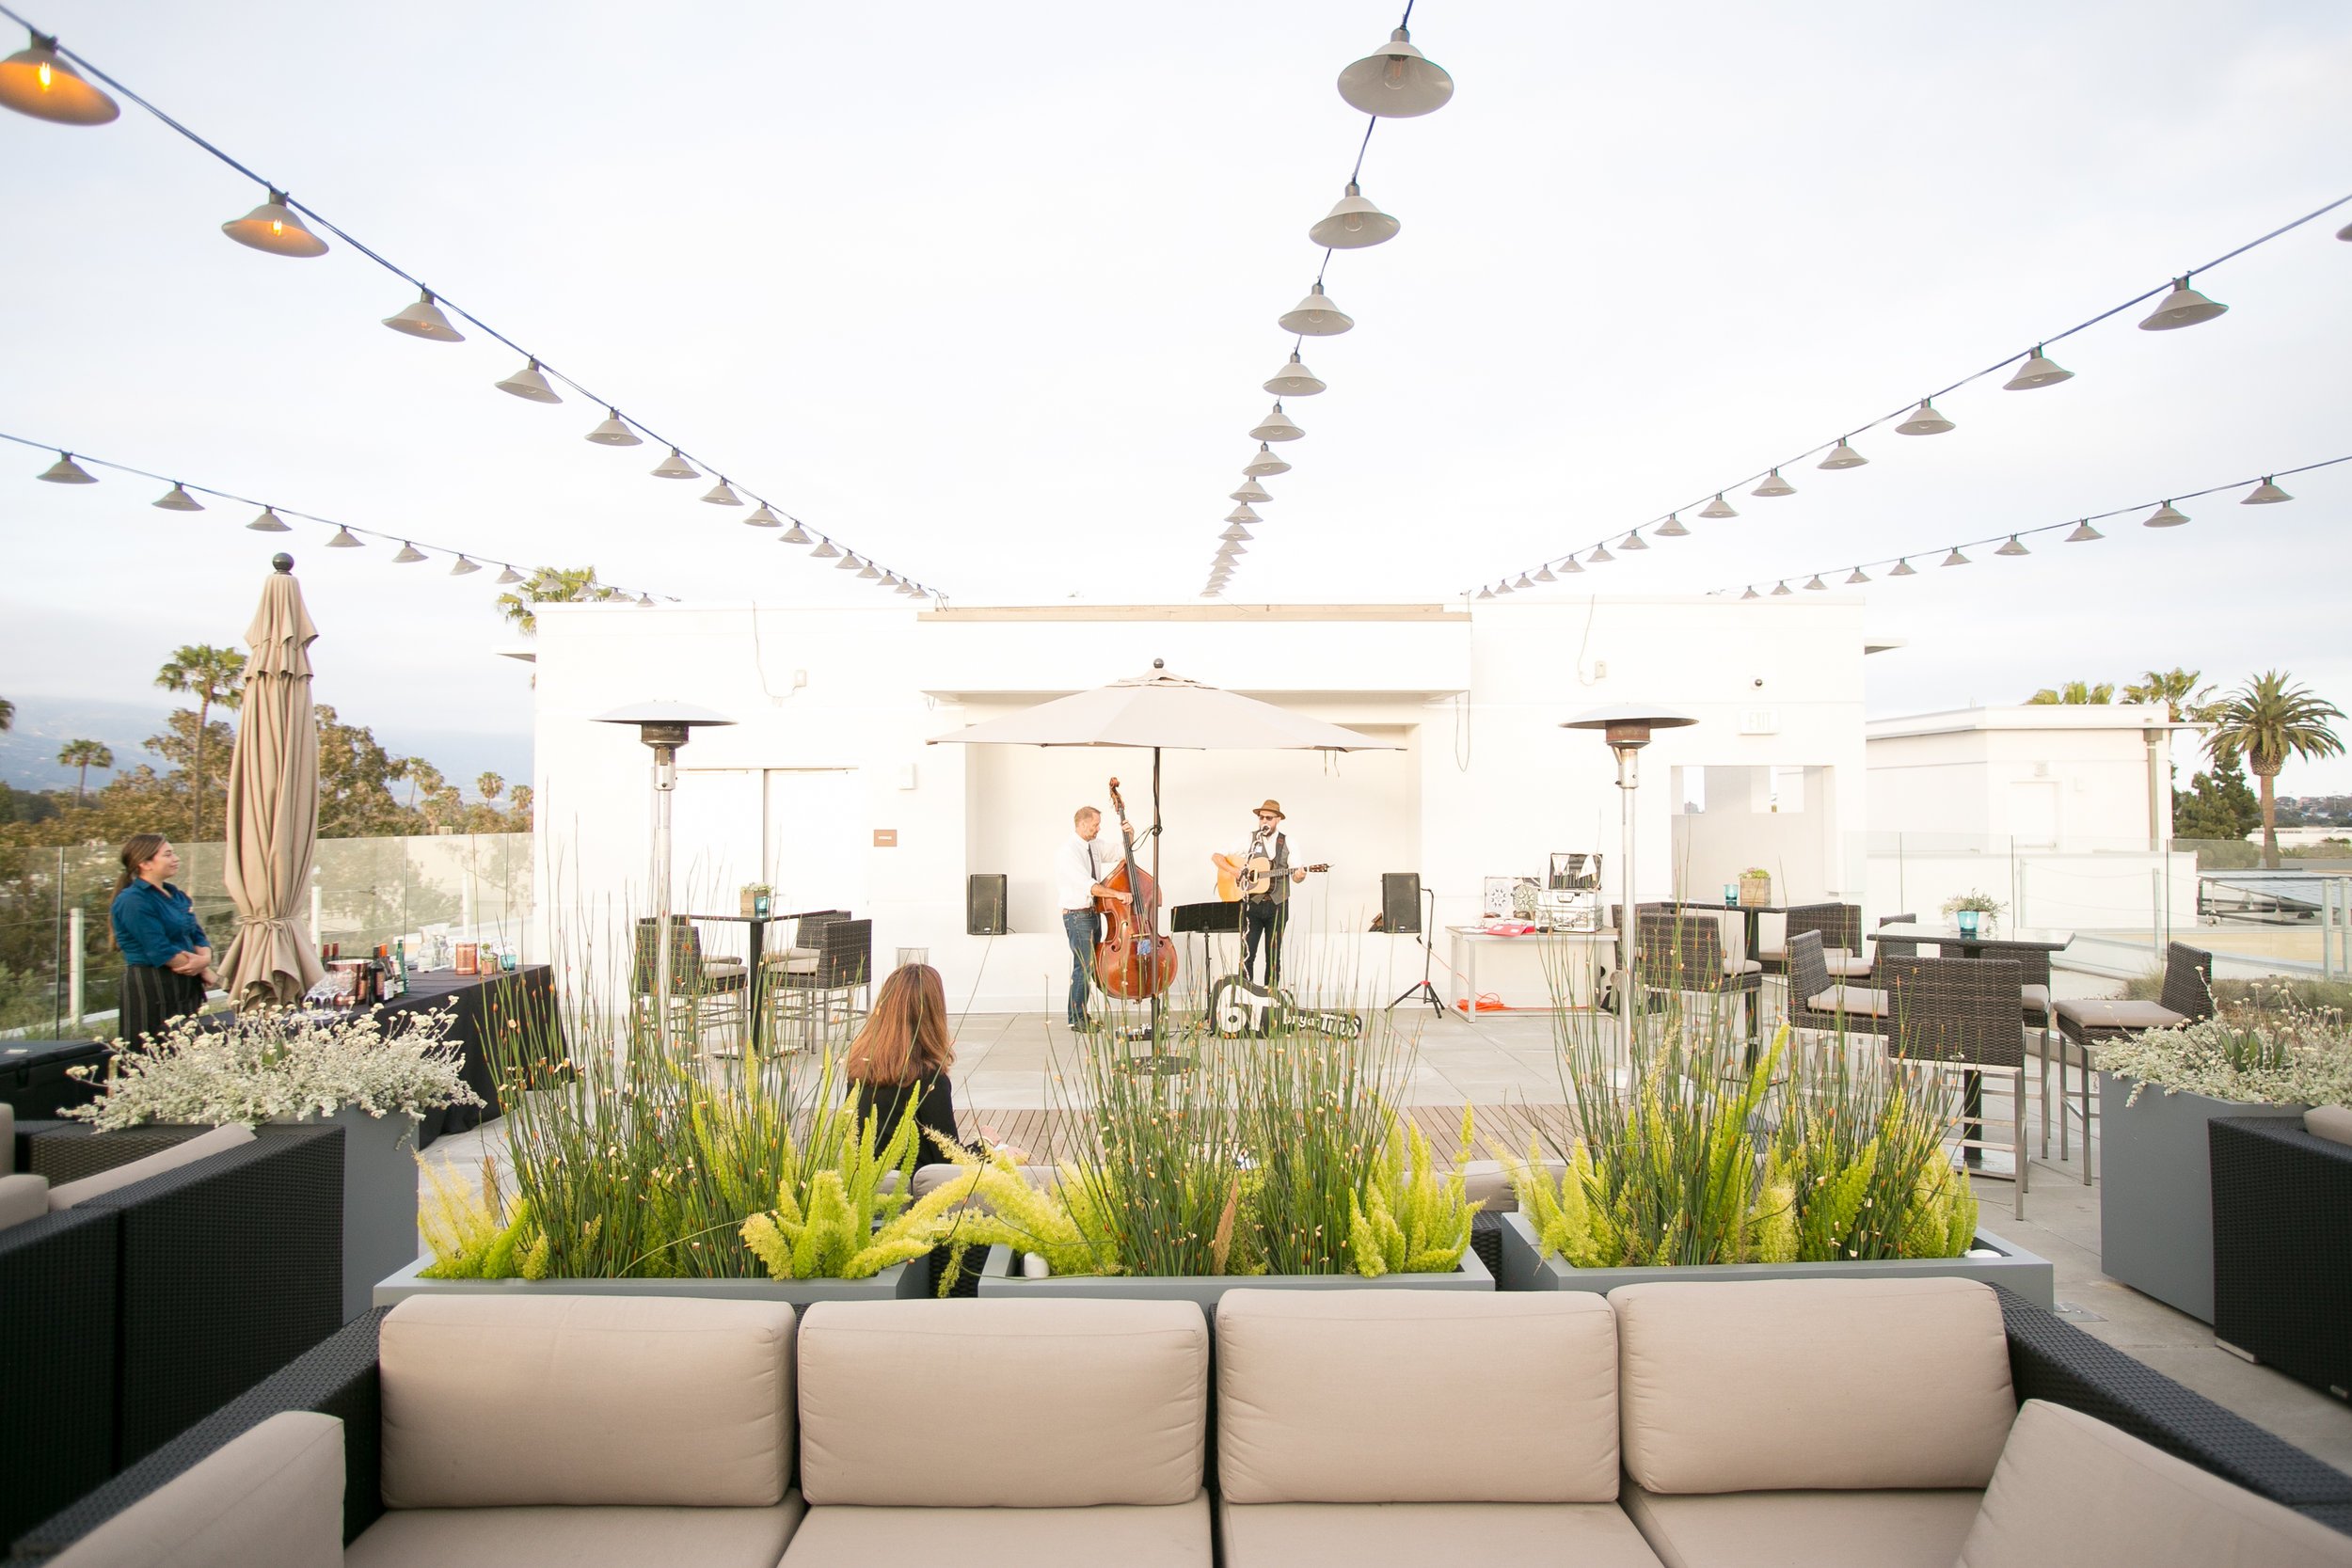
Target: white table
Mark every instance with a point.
(1465, 942)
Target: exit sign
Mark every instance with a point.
(1759, 721)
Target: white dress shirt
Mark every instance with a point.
(1077, 866)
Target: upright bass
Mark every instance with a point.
(1132, 960)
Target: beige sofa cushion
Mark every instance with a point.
(1365, 1397)
(1859, 1001)
(202, 1147)
(1807, 1529)
(1804, 1383)
(1070, 1402)
(2090, 1013)
(497, 1402)
(272, 1497)
(2333, 1122)
(1174, 1535)
(577, 1537)
(1429, 1535)
(22, 1199)
(2076, 1491)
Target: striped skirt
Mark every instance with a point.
(152, 996)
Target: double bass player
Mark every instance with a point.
(1079, 867)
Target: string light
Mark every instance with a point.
(1276, 426)
(2038, 370)
(613, 432)
(1842, 456)
(272, 228)
(272, 519)
(1353, 223)
(34, 81)
(2182, 307)
(1956, 558)
(1925, 420)
(2012, 548)
(1294, 380)
(528, 385)
(1775, 486)
(2264, 493)
(424, 320)
(722, 493)
(762, 518)
(676, 467)
(2166, 515)
(1249, 490)
(1266, 464)
(1315, 316)
(1673, 528)
(1398, 82)
(1718, 509)
(67, 471)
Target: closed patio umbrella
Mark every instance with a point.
(273, 830)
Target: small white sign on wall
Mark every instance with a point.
(1759, 721)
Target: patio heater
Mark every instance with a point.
(665, 727)
(1626, 728)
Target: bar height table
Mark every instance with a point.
(754, 977)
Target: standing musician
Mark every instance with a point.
(1079, 867)
(1264, 909)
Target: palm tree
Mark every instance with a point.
(490, 785)
(84, 754)
(7, 714)
(2176, 688)
(210, 676)
(552, 585)
(2073, 694)
(2265, 722)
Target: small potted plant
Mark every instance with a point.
(1975, 913)
(757, 899)
(1755, 887)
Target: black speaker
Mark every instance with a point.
(1399, 902)
(984, 904)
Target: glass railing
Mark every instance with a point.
(59, 972)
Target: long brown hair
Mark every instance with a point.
(136, 851)
(905, 1037)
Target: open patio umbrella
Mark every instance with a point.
(273, 830)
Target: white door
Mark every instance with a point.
(2033, 813)
(817, 839)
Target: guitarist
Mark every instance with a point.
(1265, 902)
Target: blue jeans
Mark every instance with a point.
(1079, 926)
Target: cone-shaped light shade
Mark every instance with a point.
(1859, 576)
(1924, 420)
(1525, 581)
(824, 550)
(409, 555)
(2264, 493)
(1229, 549)
(1250, 490)
(1570, 568)
(1236, 534)
(2182, 307)
(1600, 556)
(2344, 232)
(847, 563)
(722, 493)
(1315, 316)
(1956, 558)
(269, 522)
(2037, 372)
(1672, 528)
(1774, 485)
(676, 467)
(2166, 515)
(1817, 585)
(796, 534)
(1751, 594)
(1842, 455)
(1904, 569)
(464, 567)
(424, 320)
(272, 226)
(1717, 508)
(531, 384)
(613, 432)
(1276, 426)
(869, 572)
(507, 574)
(33, 81)
(1634, 541)
(67, 471)
(1353, 223)
(1485, 592)
(1779, 589)
(1542, 574)
(344, 541)
(2083, 533)
(178, 499)
(1243, 514)
(1397, 81)
(1503, 588)
(1266, 464)
(1294, 380)
(764, 518)
(2012, 548)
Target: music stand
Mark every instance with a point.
(1214, 917)
(1423, 989)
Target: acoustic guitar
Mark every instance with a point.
(1250, 878)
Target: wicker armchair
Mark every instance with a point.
(833, 986)
(2082, 1024)
(2282, 1275)
(1817, 1000)
(1840, 929)
(1962, 1014)
(1894, 948)
(703, 989)
(1674, 953)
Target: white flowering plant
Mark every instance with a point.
(280, 1064)
(2268, 1051)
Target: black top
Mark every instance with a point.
(935, 1112)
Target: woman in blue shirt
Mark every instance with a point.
(167, 960)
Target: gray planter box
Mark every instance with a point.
(998, 1278)
(1525, 1268)
(380, 1179)
(2155, 1190)
(900, 1279)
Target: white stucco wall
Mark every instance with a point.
(835, 707)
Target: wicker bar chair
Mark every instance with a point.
(1840, 928)
(1962, 1014)
(1892, 948)
(1675, 953)
(2083, 1023)
(1819, 1000)
(703, 989)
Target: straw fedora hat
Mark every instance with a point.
(1274, 806)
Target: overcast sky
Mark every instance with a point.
(988, 291)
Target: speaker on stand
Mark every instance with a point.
(984, 905)
(1401, 894)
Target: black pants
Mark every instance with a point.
(152, 996)
(1262, 923)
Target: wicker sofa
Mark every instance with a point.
(2282, 1269)
(1830, 1422)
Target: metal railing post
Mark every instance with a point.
(76, 966)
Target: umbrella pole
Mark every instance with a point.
(1155, 881)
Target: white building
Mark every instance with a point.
(826, 786)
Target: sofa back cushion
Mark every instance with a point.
(2333, 1122)
(202, 1147)
(270, 1498)
(2073, 1490)
(1063, 1403)
(518, 1402)
(1850, 1385)
(1368, 1396)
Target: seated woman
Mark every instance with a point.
(166, 958)
(902, 1057)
